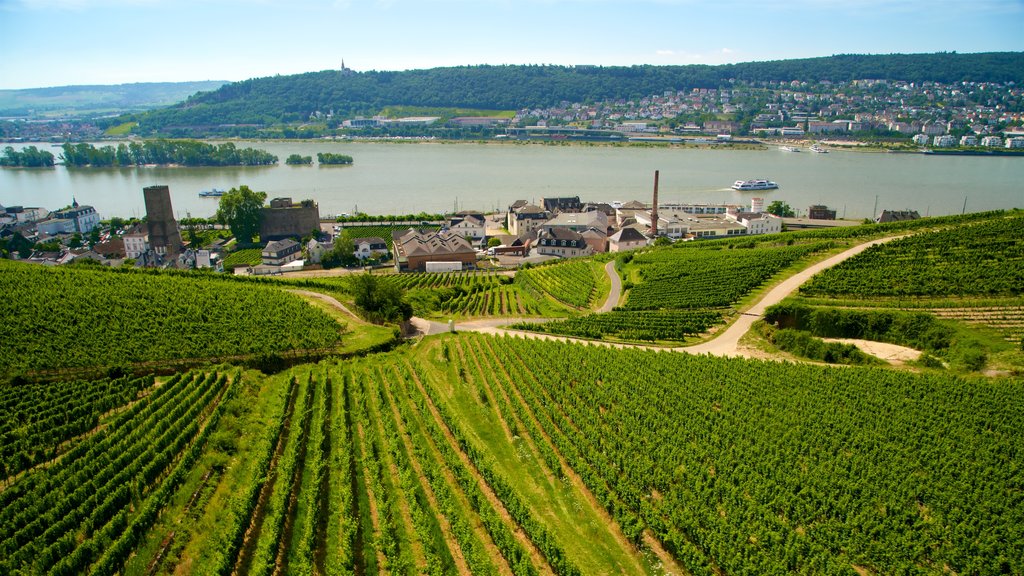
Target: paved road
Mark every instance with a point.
(725, 344)
(616, 291)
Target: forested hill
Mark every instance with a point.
(293, 98)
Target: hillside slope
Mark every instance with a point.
(293, 98)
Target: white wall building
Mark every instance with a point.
(135, 244)
(471, 226)
(1017, 142)
(757, 222)
(943, 141)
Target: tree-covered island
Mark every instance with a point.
(164, 152)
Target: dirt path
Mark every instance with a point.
(726, 343)
(331, 300)
(616, 291)
(891, 353)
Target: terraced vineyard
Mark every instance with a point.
(243, 258)
(571, 282)
(707, 277)
(381, 231)
(649, 325)
(978, 259)
(64, 317)
(1008, 321)
(470, 294)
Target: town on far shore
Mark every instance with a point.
(290, 237)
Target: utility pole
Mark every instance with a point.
(874, 211)
(964, 211)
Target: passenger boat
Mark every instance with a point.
(744, 185)
(816, 148)
(789, 148)
(212, 193)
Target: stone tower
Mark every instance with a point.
(163, 228)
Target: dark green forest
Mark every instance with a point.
(271, 100)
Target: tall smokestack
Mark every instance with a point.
(654, 208)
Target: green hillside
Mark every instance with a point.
(293, 98)
(68, 317)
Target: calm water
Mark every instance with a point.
(433, 177)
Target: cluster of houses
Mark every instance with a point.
(566, 227)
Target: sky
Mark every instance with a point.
(66, 42)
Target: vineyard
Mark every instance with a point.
(650, 325)
(465, 294)
(243, 258)
(380, 231)
(978, 259)
(57, 318)
(87, 511)
(707, 277)
(36, 420)
(483, 455)
(571, 282)
(473, 454)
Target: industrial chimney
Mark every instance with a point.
(654, 208)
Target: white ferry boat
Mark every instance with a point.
(212, 193)
(816, 148)
(744, 185)
(789, 148)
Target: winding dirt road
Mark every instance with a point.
(725, 343)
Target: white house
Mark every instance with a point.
(561, 242)
(968, 140)
(369, 247)
(281, 252)
(992, 141)
(136, 242)
(943, 141)
(1017, 142)
(626, 239)
(83, 218)
(468, 225)
(920, 139)
(316, 249)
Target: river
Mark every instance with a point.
(404, 178)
